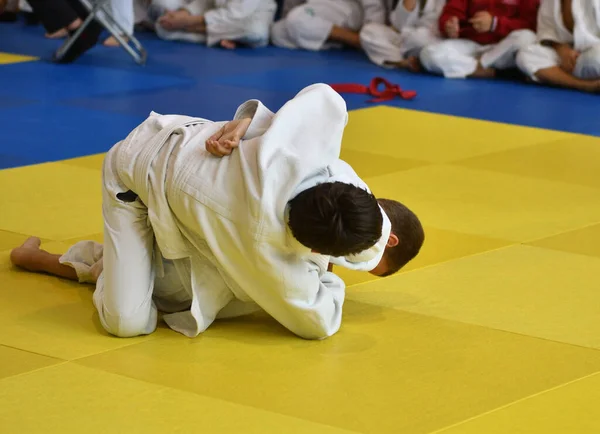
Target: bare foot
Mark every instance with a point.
(112, 41)
(23, 256)
(228, 45)
(75, 24)
(411, 64)
(60, 34)
(414, 64)
(482, 72)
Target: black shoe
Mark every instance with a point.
(8, 17)
(31, 19)
(86, 40)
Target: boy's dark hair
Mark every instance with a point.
(336, 219)
(407, 227)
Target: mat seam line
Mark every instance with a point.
(441, 430)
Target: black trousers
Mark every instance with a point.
(57, 14)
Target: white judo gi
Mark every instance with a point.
(308, 26)
(585, 39)
(244, 21)
(407, 33)
(221, 223)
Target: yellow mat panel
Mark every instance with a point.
(54, 201)
(528, 290)
(386, 372)
(493, 329)
(491, 204)
(571, 160)
(74, 399)
(6, 58)
(13, 362)
(401, 133)
(571, 409)
(367, 164)
(585, 241)
(51, 316)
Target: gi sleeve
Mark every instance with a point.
(300, 295)
(526, 19)
(453, 8)
(261, 118)
(304, 137)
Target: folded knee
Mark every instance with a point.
(298, 24)
(594, 54)
(128, 327)
(522, 38)
(432, 55)
(370, 33)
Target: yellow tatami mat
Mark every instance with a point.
(493, 329)
(570, 409)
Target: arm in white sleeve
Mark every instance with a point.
(374, 11)
(401, 17)
(305, 136)
(261, 118)
(234, 10)
(299, 295)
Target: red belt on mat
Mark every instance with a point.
(389, 91)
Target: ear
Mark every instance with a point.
(393, 240)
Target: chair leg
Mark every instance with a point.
(100, 12)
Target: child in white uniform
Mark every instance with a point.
(413, 25)
(568, 49)
(228, 23)
(322, 24)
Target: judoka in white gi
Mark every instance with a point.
(323, 24)
(413, 24)
(568, 49)
(226, 22)
(257, 226)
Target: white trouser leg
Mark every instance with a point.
(414, 39)
(381, 43)
(503, 54)
(85, 258)
(535, 57)
(123, 293)
(179, 35)
(122, 12)
(452, 58)
(252, 31)
(588, 64)
(309, 26)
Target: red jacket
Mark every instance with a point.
(510, 14)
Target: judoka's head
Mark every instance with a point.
(405, 240)
(336, 219)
